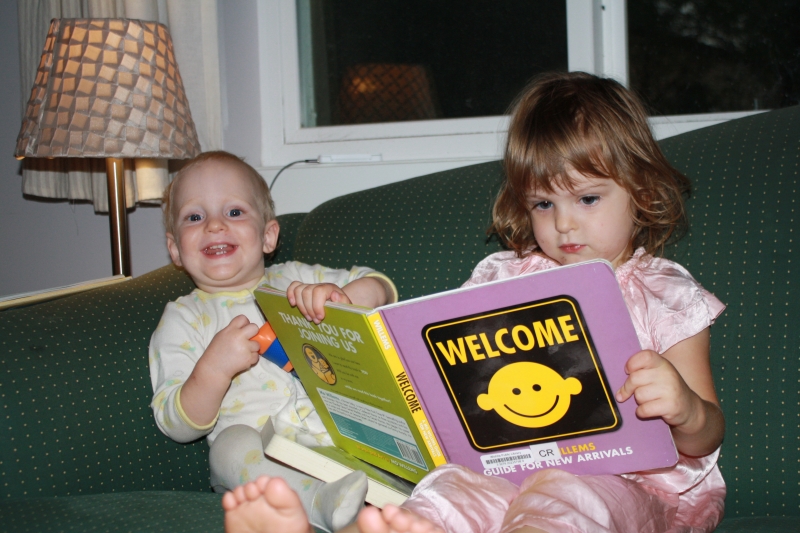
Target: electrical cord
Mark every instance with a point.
(275, 178)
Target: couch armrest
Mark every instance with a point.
(76, 392)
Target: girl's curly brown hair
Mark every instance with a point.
(599, 128)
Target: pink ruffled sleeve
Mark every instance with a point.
(667, 305)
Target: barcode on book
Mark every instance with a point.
(409, 452)
(517, 457)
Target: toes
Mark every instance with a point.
(229, 502)
(370, 520)
(280, 495)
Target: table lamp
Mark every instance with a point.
(108, 88)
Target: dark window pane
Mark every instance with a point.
(714, 55)
(391, 60)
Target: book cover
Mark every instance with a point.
(351, 385)
(517, 375)
(329, 463)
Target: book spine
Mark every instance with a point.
(407, 390)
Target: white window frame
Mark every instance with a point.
(596, 42)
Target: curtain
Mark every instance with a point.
(193, 27)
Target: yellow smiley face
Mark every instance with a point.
(529, 394)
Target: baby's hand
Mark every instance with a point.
(658, 389)
(310, 299)
(231, 351)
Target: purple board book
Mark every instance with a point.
(520, 374)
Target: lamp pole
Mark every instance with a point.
(118, 217)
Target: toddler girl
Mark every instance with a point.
(586, 180)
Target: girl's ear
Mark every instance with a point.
(271, 232)
(174, 252)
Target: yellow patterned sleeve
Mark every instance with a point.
(185, 417)
(389, 283)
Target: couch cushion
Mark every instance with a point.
(146, 512)
(746, 175)
(761, 524)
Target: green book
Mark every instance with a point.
(329, 463)
(350, 377)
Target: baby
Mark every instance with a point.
(208, 378)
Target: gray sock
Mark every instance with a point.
(337, 504)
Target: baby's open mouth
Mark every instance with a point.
(219, 249)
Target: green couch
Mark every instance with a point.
(80, 450)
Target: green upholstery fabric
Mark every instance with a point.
(80, 449)
(289, 223)
(425, 233)
(775, 524)
(76, 390)
(743, 213)
(133, 512)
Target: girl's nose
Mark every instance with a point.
(564, 221)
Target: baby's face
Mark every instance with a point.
(220, 236)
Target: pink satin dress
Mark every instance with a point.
(667, 306)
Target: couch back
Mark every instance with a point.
(74, 375)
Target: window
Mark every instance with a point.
(467, 59)
(711, 56)
(402, 60)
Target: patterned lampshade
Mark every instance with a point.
(108, 88)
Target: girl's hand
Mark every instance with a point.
(677, 386)
(310, 298)
(658, 389)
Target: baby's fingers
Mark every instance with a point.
(321, 294)
(290, 293)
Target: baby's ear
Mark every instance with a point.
(271, 232)
(174, 252)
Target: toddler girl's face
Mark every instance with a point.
(220, 235)
(591, 221)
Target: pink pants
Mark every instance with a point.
(461, 501)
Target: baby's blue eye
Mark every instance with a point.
(235, 213)
(589, 200)
(194, 218)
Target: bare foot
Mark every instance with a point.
(265, 505)
(393, 519)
